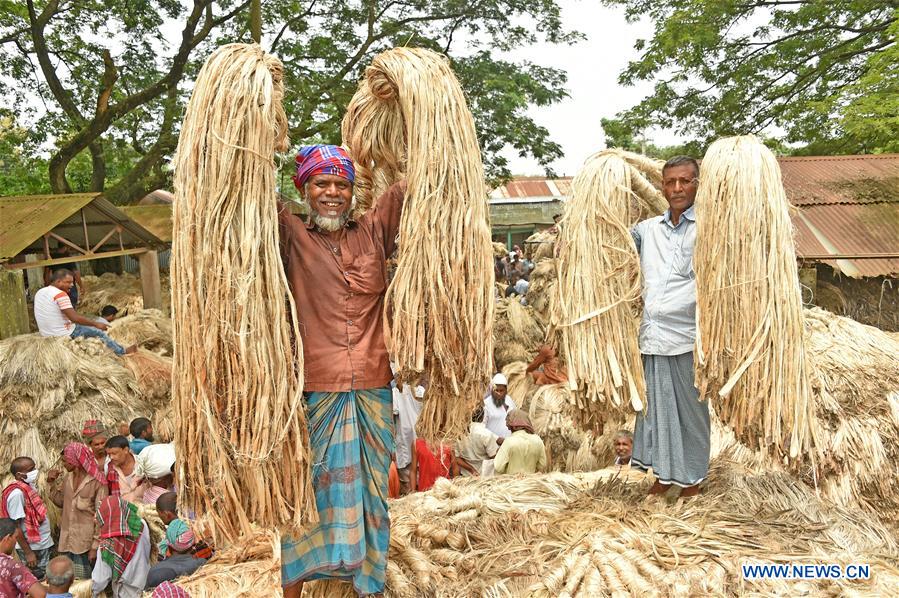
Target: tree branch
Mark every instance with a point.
(290, 23)
(60, 93)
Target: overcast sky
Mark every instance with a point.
(593, 66)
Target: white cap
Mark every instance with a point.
(500, 380)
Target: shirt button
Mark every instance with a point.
(349, 322)
(346, 273)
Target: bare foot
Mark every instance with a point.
(293, 591)
(131, 349)
(659, 488)
(689, 491)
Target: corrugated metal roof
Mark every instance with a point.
(155, 218)
(851, 229)
(25, 219)
(817, 180)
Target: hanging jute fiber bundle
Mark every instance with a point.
(750, 354)
(237, 382)
(409, 119)
(594, 310)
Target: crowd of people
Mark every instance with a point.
(100, 485)
(514, 270)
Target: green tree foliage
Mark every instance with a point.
(620, 134)
(104, 82)
(821, 72)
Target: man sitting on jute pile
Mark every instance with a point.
(673, 435)
(55, 315)
(336, 268)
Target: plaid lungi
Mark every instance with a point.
(673, 435)
(351, 434)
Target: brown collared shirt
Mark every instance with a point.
(338, 284)
(78, 531)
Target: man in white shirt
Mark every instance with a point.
(55, 315)
(406, 409)
(673, 436)
(22, 504)
(479, 447)
(497, 406)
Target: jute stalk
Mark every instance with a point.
(750, 354)
(594, 310)
(237, 382)
(409, 118)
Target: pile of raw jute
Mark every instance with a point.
(238, 360)
(122, 291)
(750, 355)
(517, 334)
(595, 308)
(150, 328)
(409, 119)
(249, 568)
(593, 535)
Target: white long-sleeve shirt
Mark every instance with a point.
(495, 417)
(134, 578)
(669, 283)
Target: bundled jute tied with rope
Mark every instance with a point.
(409, 118)
(749, 347)
(238, 381)
(594, 309)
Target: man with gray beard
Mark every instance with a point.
(337, 272)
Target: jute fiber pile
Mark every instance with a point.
(50, 386)
(517, 334)
(594, 535)
(250, 568)
(149, 328)
(123, 291)
(409, 118)
(238, 360)
(856, 389)
(750, 357)
(595, 311)
(540, 245)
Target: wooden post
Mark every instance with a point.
(35, 275)
(13, 307)
(149, 279)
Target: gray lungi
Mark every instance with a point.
(673, 434)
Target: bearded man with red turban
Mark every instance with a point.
(337, 271)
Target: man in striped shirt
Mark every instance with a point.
(55, 315)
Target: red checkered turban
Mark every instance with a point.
(323, 159)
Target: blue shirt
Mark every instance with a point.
(139, 444)
(66, 595)
(668, 326)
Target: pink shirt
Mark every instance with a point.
(15, 578)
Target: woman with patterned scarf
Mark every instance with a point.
(124, 555)
(80, 494)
